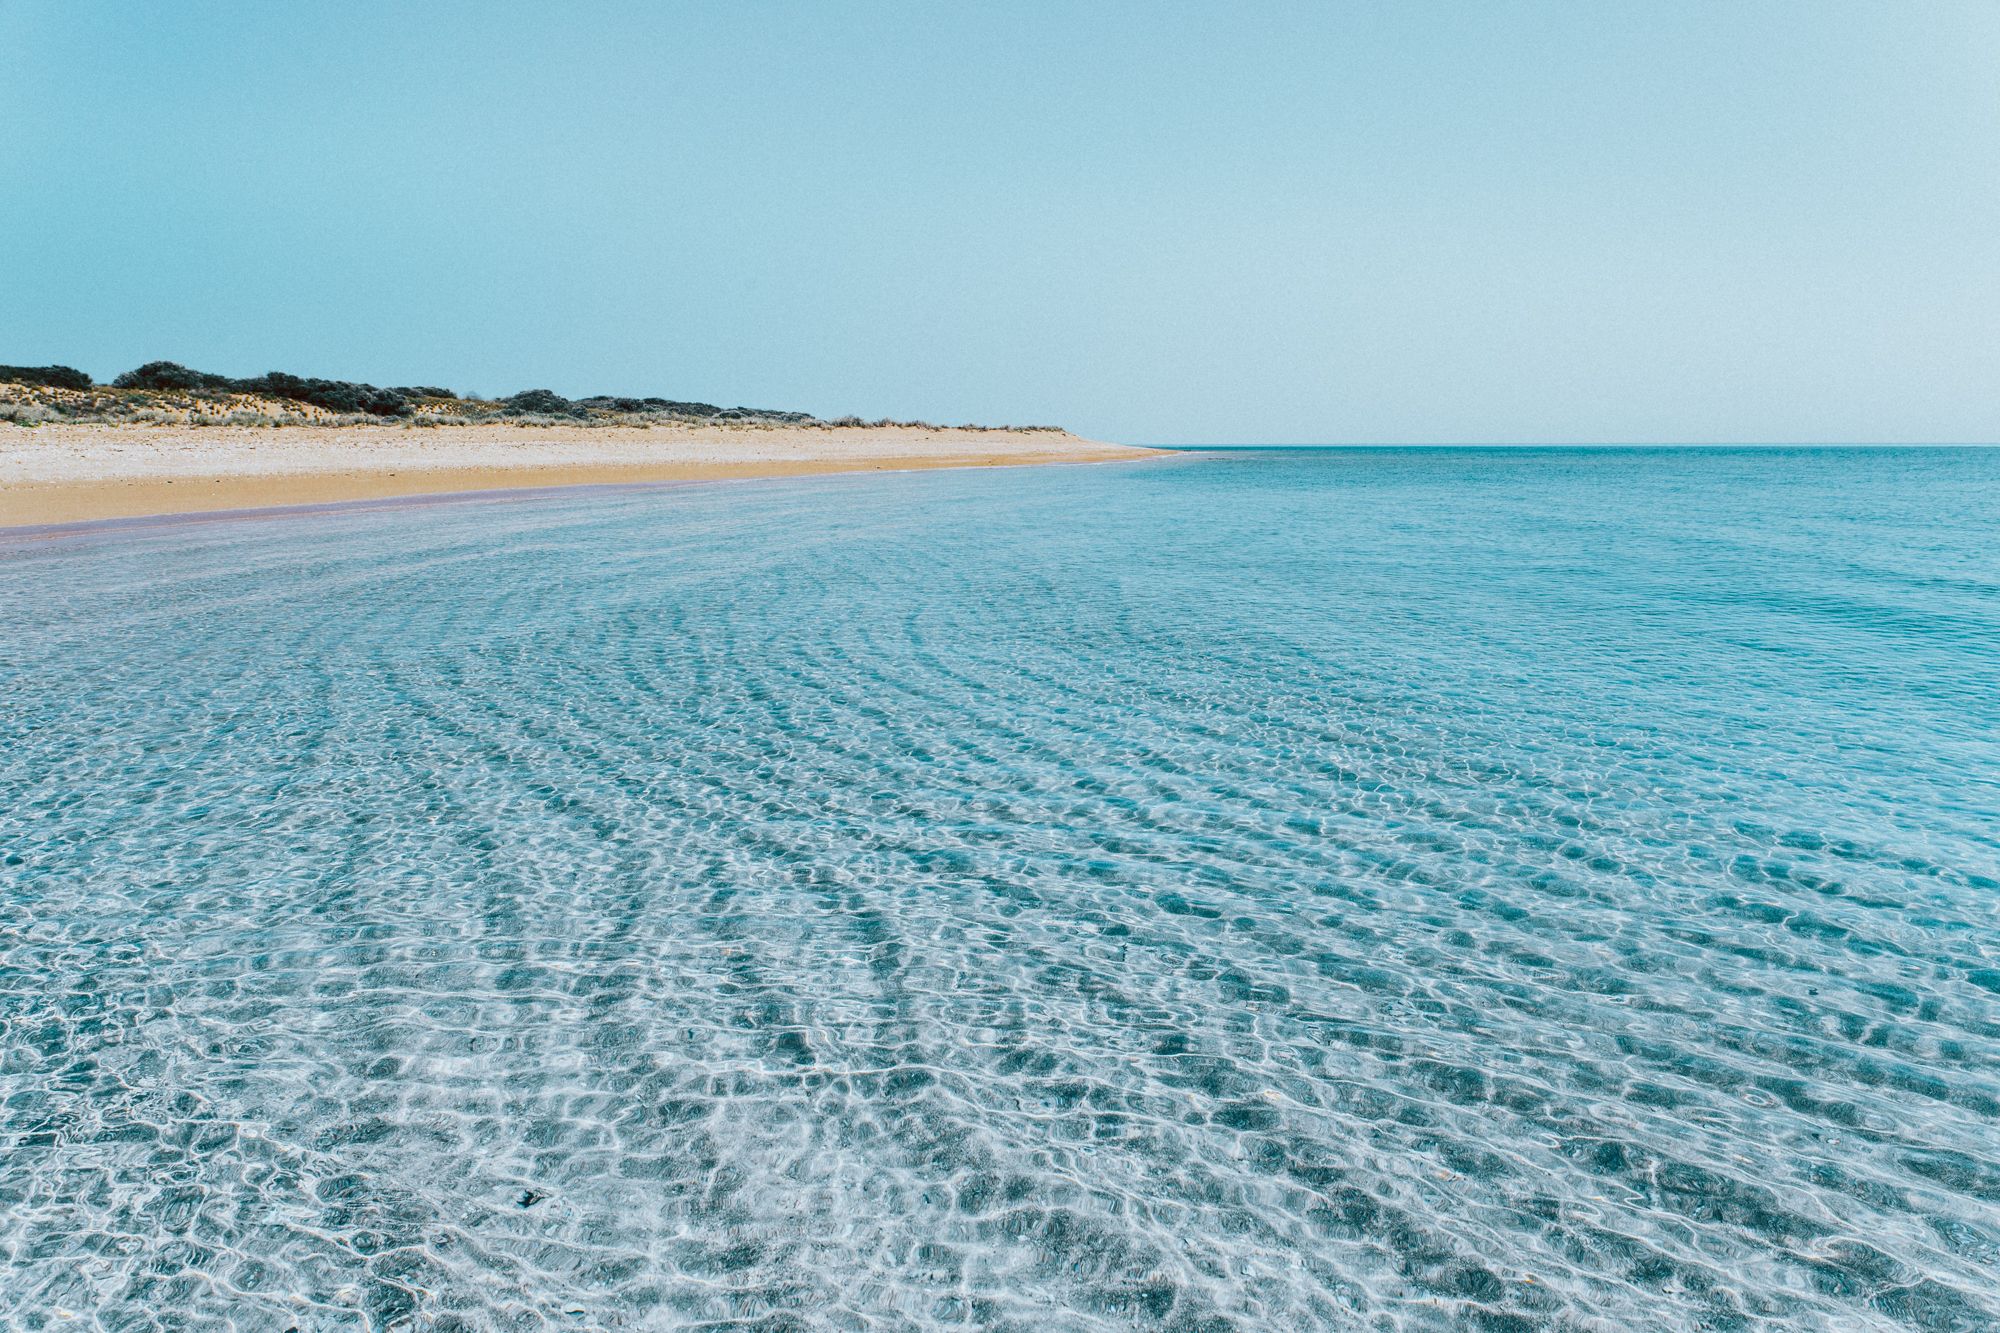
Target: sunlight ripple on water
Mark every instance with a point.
(1450, 890)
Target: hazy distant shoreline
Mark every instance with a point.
(164, 439)
(166, 393)
(79, 471)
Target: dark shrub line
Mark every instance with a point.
(57, 377)
(346, 397)
(333, 395)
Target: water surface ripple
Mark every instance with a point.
(1345, 890)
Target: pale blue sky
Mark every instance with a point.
(1147, 221)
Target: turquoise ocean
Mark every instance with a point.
(1327, 889)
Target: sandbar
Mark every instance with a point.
(73, 472)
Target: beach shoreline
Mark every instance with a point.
(72, 473)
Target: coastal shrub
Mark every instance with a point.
(338, 402)
(649, 406)
(339, 396)
(539, 402)
(55, 377)
(171, 376)
(333, 395)
(681, 409)
(25, 414)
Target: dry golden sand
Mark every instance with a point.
(66, 473)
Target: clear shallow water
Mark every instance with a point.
(1341, 890)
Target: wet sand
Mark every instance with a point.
(70, 473)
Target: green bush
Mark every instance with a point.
(56, 377)
(339, 396)
(333, 395)
(540, 403)
(173, 377)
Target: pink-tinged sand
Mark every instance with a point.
(67, 473)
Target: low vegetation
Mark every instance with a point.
(57, 377)
(168, 393)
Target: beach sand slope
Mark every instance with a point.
(74, 472)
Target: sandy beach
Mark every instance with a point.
(74, 472)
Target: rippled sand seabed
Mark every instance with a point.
(1341, 891)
